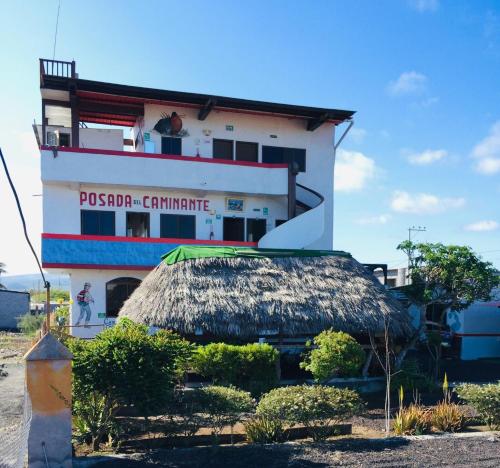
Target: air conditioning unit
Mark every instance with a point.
(58, 138)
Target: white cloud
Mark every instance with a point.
(482, 226)
(357, 135)
(423, 203)
(424, 5)
(487, 152)
(410, 82)
(353, 170)
(427, 157)
(380, 219)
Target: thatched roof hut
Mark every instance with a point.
(243, 293)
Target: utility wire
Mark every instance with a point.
(45, 282)
(55, 35)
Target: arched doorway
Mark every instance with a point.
(118, 291)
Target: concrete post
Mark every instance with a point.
(48, 381)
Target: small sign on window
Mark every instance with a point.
(229, 128)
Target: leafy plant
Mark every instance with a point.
(30, 324)
(485, 399)
(448, 417)
(336, 354)
(251, 367)
(264, 430)
(123, 365)
(319, 408)
(224, 406)
(94, 418)
(411, 420)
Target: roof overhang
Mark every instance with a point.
(102, 102)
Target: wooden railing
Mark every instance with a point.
(59, 68)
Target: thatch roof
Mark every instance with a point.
(242, 295)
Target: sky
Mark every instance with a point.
(422, 75)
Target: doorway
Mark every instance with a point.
(256, 228)
(234, 229)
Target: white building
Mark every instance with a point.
(129, 173)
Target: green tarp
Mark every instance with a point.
(189, 252)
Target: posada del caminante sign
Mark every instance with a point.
(119, 200)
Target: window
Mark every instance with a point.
(64, 139)
(170, 145)
(246, 151)
(178, 226)
(279, 155)
(256, 228)
(137, 224)
(233, 229)
(223, 149)
(117, 292)
(97, 223)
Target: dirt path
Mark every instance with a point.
(12, 348)
(483, 451)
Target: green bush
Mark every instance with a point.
(251, 367)
(485, 399)
(317, 407)
(30, 324)
(264, 430)
(128, 366)
(336, 354)
(224, 406)
(410, 377)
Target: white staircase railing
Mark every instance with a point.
(303, 230)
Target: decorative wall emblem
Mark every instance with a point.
(235, 204)
(170, 125)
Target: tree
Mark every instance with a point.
(452, 276)
(2, 270)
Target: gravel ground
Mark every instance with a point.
(12, 348)
(477, 451)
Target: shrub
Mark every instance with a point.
(264, 430)
(251, 367)
(410, 377)
(30, 324)
(128, 366)
(485, 399)
(412, 420)
(337, 354)
(95, 418)
(224, 406)
(448, 417)
(316, 407)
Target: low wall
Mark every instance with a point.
(13, 304)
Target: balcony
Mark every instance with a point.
(126, 168)
(113, 252)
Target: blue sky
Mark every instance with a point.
(423, 76)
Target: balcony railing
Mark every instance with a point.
(58, 68)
